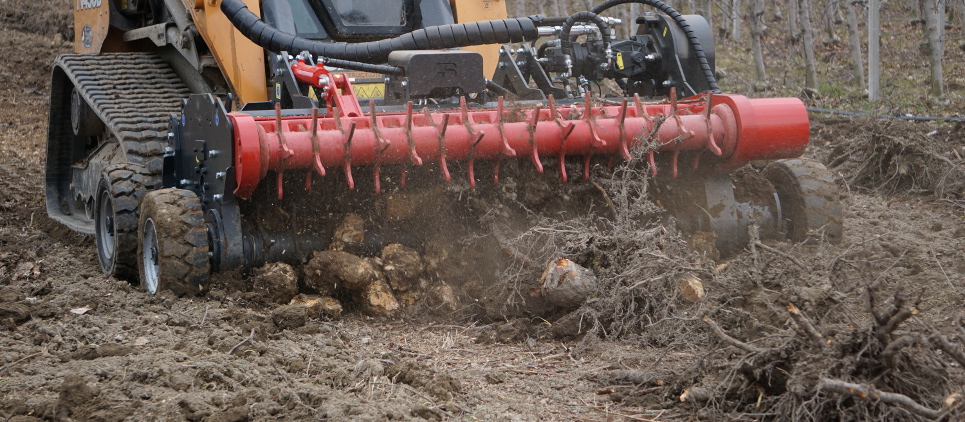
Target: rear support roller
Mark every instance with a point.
(809, 199)
(174, 244)
(120, 190)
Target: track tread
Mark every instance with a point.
(183, 262)
(808, 194)
(134, 94)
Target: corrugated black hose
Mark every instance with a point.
(357, 55)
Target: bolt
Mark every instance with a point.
(213, 153)
(170, 136)
(217, 197)
(184, 182)
(219, 175)
(323, 80)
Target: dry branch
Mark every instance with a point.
(805, 324)
(955, 352)
(869, 392)
(733, 341)
(245, 340)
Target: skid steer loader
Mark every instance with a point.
(174, 119)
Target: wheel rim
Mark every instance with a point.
(106, 238)
(149, 257)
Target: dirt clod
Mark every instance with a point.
(276, 282)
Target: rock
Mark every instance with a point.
(402, 266)
(691, 288)
(289, 317)
(349, 235)
(9, 294)
(378, 300)
(15, 312)
(329, 270)
(566, 284)
(276, 282)
(318, 306)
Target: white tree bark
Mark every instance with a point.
(756, 12)
(874, 50)
(934, 13)
(810, 64)
(735, 20)
(793, 18)
(854, 39)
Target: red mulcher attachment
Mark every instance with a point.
(732, 129)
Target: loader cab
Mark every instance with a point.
(355, 20)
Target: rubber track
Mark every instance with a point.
(134, 94)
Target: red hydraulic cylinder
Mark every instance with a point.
(731, 127)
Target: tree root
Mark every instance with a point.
(869, 392)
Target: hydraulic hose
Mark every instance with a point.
(682, 23)
(433, 37)
(566, 43)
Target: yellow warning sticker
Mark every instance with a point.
(620, 61)
(367, 91)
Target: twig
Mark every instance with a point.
(280, 372)
(739, 344)
(247, 339)
(933, 254)
(895, 321)
(204, 317)
(781, 253)
(11, 364)
(867, 391)
(805, 324)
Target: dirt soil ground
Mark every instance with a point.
(883, 311)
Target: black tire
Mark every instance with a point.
(810, 200)
(119, 193)
(173, 243)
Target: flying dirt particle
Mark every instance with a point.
(275, 282)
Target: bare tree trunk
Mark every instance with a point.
(555, 8)
(756, 12)
(735, 20)
(830, 17)
(960, 7)
(810, 65)
(854, 39)
(934, 12)
(707, 10)
(874, 50)
(793, 19)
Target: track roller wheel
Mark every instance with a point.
(809, 198)
(119, 192)
(174, 245)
